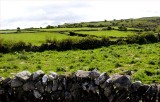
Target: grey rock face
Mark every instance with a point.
(52, 76)
(16, 83)
(136, 85)
(37, 74)
(82, 74)
(108, 90)
(2, 91)
(55, 85)
(39, 87)
(28, 86)
(122, 82)
(68, 97)
(101, 79)
(23, 76)
(6, 80)
(36, 94)
(44, 79)
(49, 87)
(94, 74)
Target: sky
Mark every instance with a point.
(40, 13)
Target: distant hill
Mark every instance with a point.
(144, 23)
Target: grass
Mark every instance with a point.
(109, 33)
(68, 29)
(34, 38)
(143, 60)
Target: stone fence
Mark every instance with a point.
(82, 86)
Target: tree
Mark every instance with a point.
(18, 29)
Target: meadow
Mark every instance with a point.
(85, 46)
(108, 33)
(34, 38)
(142, 60)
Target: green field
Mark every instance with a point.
(143, 60)
(35, 38)
(109, 33)
(38, 37)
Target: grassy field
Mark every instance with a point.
(35, 38)
(143, 60)
(113, 33)
(68, 29)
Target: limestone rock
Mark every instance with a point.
(52, 76)
(94, 74)
(55, 85)
(39, 87)
(122, 82)
(82, 74)
(44, 79)
(37, 74)
(136, 85)
(28, 86)
(36, 94)
(101, 79)
(6, 81)
(16, 83)
(23, 76)
(68, 97)
(2, 91)
(108, 90)
(49, 87)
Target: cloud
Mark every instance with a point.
(36, 13)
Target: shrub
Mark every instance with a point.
(150, 37)
(122, 28)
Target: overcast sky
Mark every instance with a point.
(40, 13)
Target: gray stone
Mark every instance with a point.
(82, 74)
(55, 85)
(136, 85)
(6, 80)
(108, 90)
(122, 82)
(52, 76)
(93, 88)
(84, 86)
(68, 97)
(105, 84)
(2, 91)
(39, 87)
(44, 79)
(37, 74)
(28, 86)
(36, 94)
(23, 76)
(94, 74)
(101, 79)
(49, 88)
(16, 83)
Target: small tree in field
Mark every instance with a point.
(18, 29)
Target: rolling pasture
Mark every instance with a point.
(35, 38)
(142, 60)
(109, 33)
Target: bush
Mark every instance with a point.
(150, 37)
(122, 28)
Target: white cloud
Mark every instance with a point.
(36, 13)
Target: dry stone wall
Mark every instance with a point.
(82, 86)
